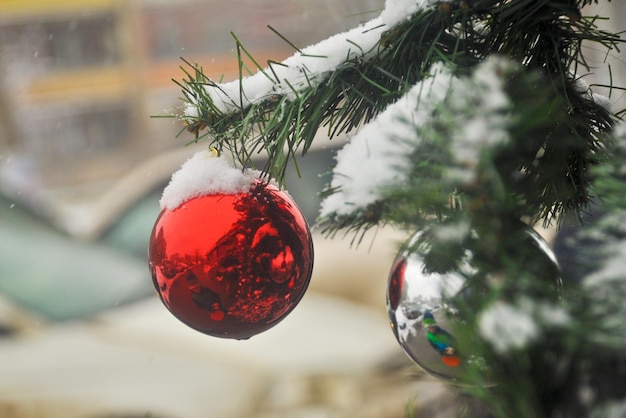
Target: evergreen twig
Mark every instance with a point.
(540, 34)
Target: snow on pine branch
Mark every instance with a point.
(509, 327)
(308, 67)
(378, 155)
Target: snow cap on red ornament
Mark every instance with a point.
(203, 174)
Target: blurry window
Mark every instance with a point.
(58, 44)
(71, 131)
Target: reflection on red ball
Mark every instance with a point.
(232, 265)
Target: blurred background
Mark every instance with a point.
(82, 166)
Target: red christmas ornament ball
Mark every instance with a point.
(232, 265)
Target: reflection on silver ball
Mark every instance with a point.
(421, 305)
(420, 311)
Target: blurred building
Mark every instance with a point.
(80, 79)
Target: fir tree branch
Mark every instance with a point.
(540, 172)
(539, 34)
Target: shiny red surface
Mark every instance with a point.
(232, 266)
(396, 283)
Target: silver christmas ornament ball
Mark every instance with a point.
(422, 305)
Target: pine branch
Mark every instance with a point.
(532, 155)
(540, 34)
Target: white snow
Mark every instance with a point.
(581, 86)
(507, 327)
(309, 66)
(204, 174)
(620, 134)
(612, 269)
(480, 119)
(489, 78)
(554, 316)
(613, 409)
(375, 157)
(602, 100)
(303, 69)
(454, 232)
(396, 11)
(607, 230)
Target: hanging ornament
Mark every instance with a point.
(230, 255)
(423, 304)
